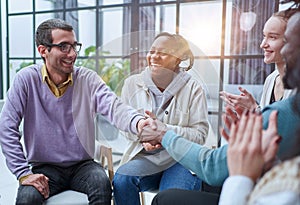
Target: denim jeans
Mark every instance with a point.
(182, 197)
(87, 177)
(126, 188)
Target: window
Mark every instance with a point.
(116, 34)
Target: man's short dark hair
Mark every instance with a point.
(43, 35)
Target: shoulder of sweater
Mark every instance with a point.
(195, 86)
(79, 70)
(285, 110)
(34, 68)
(284, 104)
(195, 82)
(135, 79)
(289, 167)
(29, 72)
(83, 72)
(282, 177)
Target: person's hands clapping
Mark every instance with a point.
(40, 182)
(245, 100)
(229, 117)
(246, 154)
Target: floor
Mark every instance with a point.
(8, 184)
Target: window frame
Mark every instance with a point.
(134, 6)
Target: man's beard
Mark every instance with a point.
(291, 77)
(285, 79)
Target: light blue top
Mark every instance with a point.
(211, 164)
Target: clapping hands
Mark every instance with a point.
(245, 100)
(249, 147)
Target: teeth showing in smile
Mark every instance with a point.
(267, 53)
(68, 62)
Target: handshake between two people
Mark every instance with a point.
(151, 132)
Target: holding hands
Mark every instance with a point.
(152, 133)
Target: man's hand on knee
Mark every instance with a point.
(39, 181)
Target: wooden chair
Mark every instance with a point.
(143, 198)
(71, 197)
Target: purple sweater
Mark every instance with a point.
(57, 130)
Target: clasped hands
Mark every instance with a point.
(151, 132)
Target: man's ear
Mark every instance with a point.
(42, 50)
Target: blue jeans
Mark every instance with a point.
(127, 188)
(87, 177)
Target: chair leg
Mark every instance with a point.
(106, 153)
(142, 198)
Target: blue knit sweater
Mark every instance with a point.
(211, 164)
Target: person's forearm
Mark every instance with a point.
(209, 164)
(10, 143)
(195, 134)
(125, 117)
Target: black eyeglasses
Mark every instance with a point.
(66, 47)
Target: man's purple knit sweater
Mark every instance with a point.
(57, 130)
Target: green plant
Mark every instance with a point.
(112, 72)
(23, 65)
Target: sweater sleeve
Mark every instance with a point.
(121, 115)
(288, 121)
(11, 116)
(236, 190)
(209, 164)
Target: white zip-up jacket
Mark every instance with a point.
(186, 114)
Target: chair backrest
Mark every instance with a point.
(106, 155)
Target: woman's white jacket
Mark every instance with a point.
(186, 114)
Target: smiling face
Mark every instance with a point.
(273, 40)
(57, 62)
(162, 56)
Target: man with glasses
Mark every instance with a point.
(66, 47)
(58, 102)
